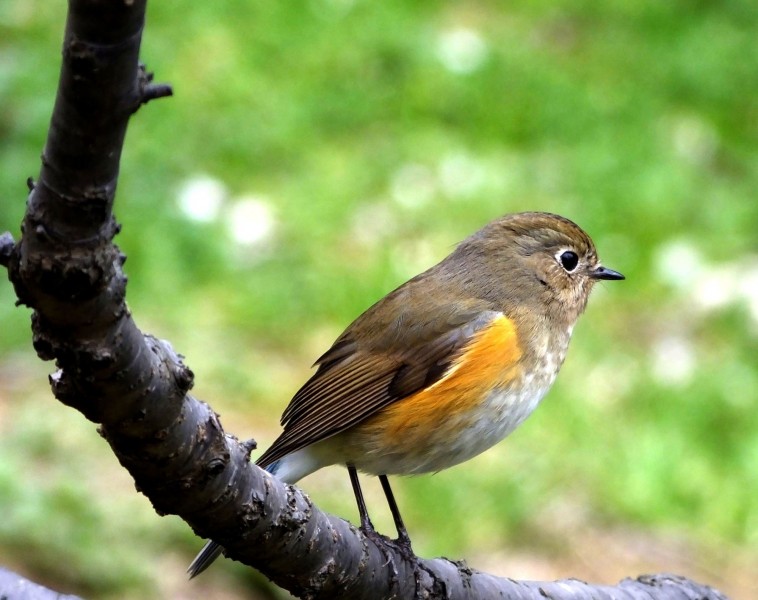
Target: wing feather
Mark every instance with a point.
(352, 383)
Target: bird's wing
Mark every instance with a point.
(353, 382)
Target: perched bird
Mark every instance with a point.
(446, 365)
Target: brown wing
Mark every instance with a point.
(354, 382)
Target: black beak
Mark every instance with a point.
(603, 273)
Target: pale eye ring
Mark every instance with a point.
(569, 260)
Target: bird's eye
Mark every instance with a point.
(569, 260)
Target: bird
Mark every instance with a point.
(443, 367)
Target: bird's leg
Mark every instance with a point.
(366, 524)
(403, 540)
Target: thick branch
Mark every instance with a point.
(67, 269)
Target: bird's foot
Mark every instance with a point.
(403, 545)
(381, 541)
(384, 544)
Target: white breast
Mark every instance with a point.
(499, 415)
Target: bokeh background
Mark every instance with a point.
(317, 154)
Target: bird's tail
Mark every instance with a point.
(210, 552)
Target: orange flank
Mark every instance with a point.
(435, 416)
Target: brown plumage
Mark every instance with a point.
(444, 366)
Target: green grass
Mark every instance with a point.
(353, 123)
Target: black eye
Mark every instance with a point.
(569, 260)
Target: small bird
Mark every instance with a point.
(443, 367)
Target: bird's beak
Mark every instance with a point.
(601, 272)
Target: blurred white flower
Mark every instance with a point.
(461, 175)
(673, 360)
(373, 223)
(461, 50)
(413, 186)
(715, 287)
(251, 221)
(709, 287)
(747, 286)
(678, 263)
(694, 139)
(609, 380)
(200, 198)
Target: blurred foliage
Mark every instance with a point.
(315, 155)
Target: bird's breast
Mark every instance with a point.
(484, 396)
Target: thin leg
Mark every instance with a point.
(366, 524)
(402, 534)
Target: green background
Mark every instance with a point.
(355, 143)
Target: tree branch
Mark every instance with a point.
(67, 269)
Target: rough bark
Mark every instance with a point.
(67, 269)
